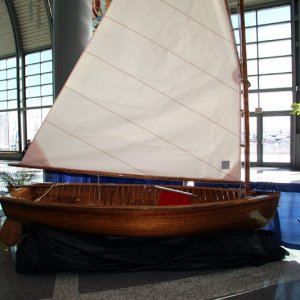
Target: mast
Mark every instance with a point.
(245, 97)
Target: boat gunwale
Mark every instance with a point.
(68, 206)
(181, 188)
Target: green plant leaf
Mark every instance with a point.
(21, 176)
(295, 109)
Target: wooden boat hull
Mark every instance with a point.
(142, 219)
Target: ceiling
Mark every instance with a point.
(25, 25)
(30, 24)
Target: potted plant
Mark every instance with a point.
(10, 178)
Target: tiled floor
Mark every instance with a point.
(276, 280)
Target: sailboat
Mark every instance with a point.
(155, 95)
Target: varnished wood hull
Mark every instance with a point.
(138, 216)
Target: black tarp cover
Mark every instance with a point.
(44, 250)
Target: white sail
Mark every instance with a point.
(155, 93)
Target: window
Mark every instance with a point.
(35, 117)
(270, 72)
(9, 140)
(39, 89)
(39, 79)
(38, 97)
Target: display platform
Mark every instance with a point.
(47, 250)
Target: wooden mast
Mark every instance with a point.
(245, 97)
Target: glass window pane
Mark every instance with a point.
(253, 101)
(33, 91)
(46, 67)
(238, 51)
(33, 80)
(278, 48)
(4, 141)
(3, 85)
(46, 78)
(235, 21)
(253, 138)
(275, 65)
(273, 15)
(47, 90)
(2, 64)
(275, 81)
(3, 96)
(273, 101)
(47, 101)
(274, 32)
(12, 94)
(252, 67)
(32, 58)
(46, 55)
(251, 51)
(45, 112)
(2, 75)
(9, 139)
(276, 139)
(250, 18)
(237, 36)
(12, 104)
(14, 131)
(251, 35)
(11, 63)
(3, 105)
(12, 84)
(34, 121)
(32, 102)
(12, 73)
(254, 82)
(32, 69)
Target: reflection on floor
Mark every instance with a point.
(274, 175)
(277, 280)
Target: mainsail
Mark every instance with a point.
(155, 93)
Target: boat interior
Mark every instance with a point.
(123, 195)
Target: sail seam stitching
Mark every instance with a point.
(196, 21)
(91, 145)
(162, 93)
(141, 127)
(173, 53)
